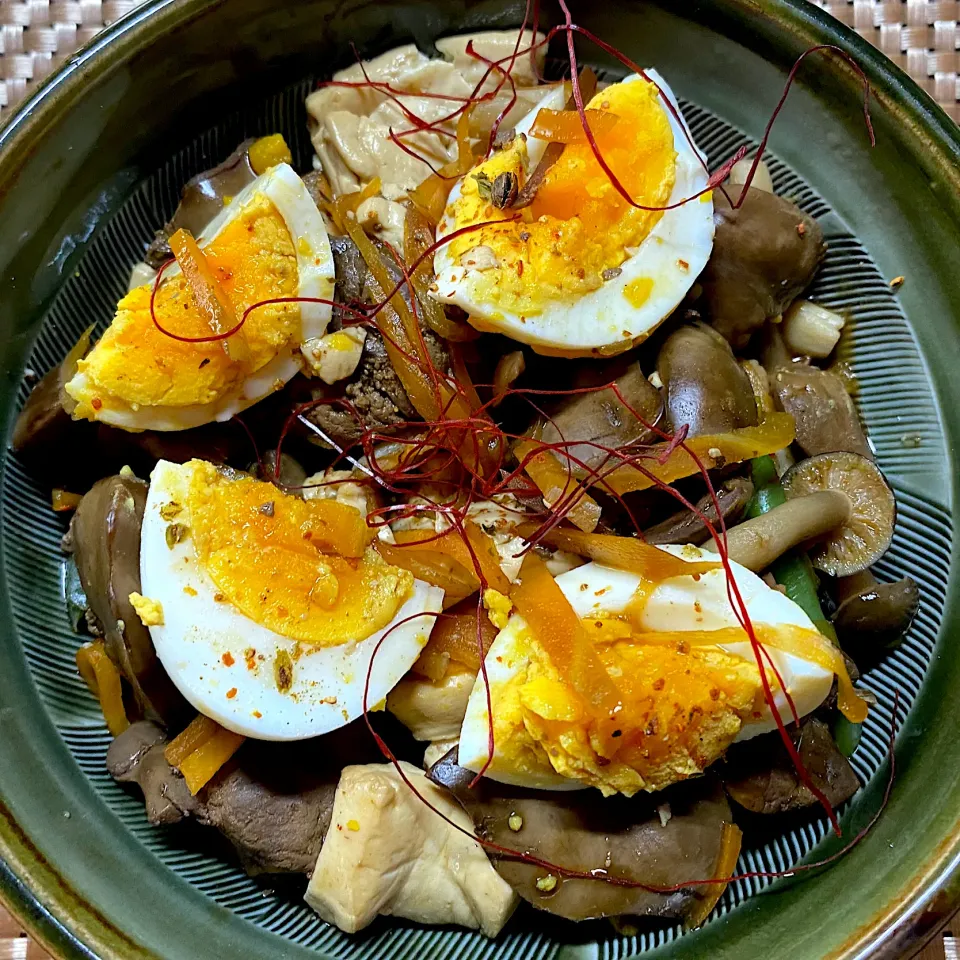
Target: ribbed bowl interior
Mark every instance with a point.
(896, 401)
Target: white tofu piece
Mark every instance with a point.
(388, 853)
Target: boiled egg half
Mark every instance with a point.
(683, 704)
(266, 609)
(269, 242)
(580, 270)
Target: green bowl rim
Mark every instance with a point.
(934, 894)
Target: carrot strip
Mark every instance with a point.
(208, 296)
(557, 485)
(63, 500)
(588, 86)
(775, 433)
(418, 238)
(191, 738)
(103, 679)
(481, 446)
(564, 126)
(454, 639)
(623, 553)
(556, 627)
(440, 570)
(477, 544)
(487, 556)
(339, 528)
(199, 767)
(731, 838)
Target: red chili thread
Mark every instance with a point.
(737, 603)
(363, 316)
(601, 875)
(820, 48)
(559, 511)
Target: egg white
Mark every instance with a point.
(198, 630)
(315, 269)
(603, 321)
(680, 603)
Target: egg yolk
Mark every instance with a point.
(134, 364)
(578, 225)
(301, 568)
(682, 708)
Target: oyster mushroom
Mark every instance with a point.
(666, 839)
(865, 536)
(756, 543)
(824, 413)
(272, 801)
(45, 437)
(592, 420)
(292, 477)
(762, 778)
(202, 199)
(765, 254)
(106, 540)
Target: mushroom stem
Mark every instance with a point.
(761, 177)
(756, 543)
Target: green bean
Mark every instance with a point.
(846, 735)
(766, 485)
(794, 572)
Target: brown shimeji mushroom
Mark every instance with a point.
(866, 535)
(756, 543)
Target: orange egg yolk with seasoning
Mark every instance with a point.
(134, 363)
(578, 225)
(681, 708)
(301, 568)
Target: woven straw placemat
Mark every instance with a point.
(920, 36)
(36, 36)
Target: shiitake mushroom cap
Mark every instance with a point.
(865, 537)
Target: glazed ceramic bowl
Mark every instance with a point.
(93, 163)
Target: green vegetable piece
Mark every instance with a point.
(846, 734)
(793, 571)
(768, 493)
